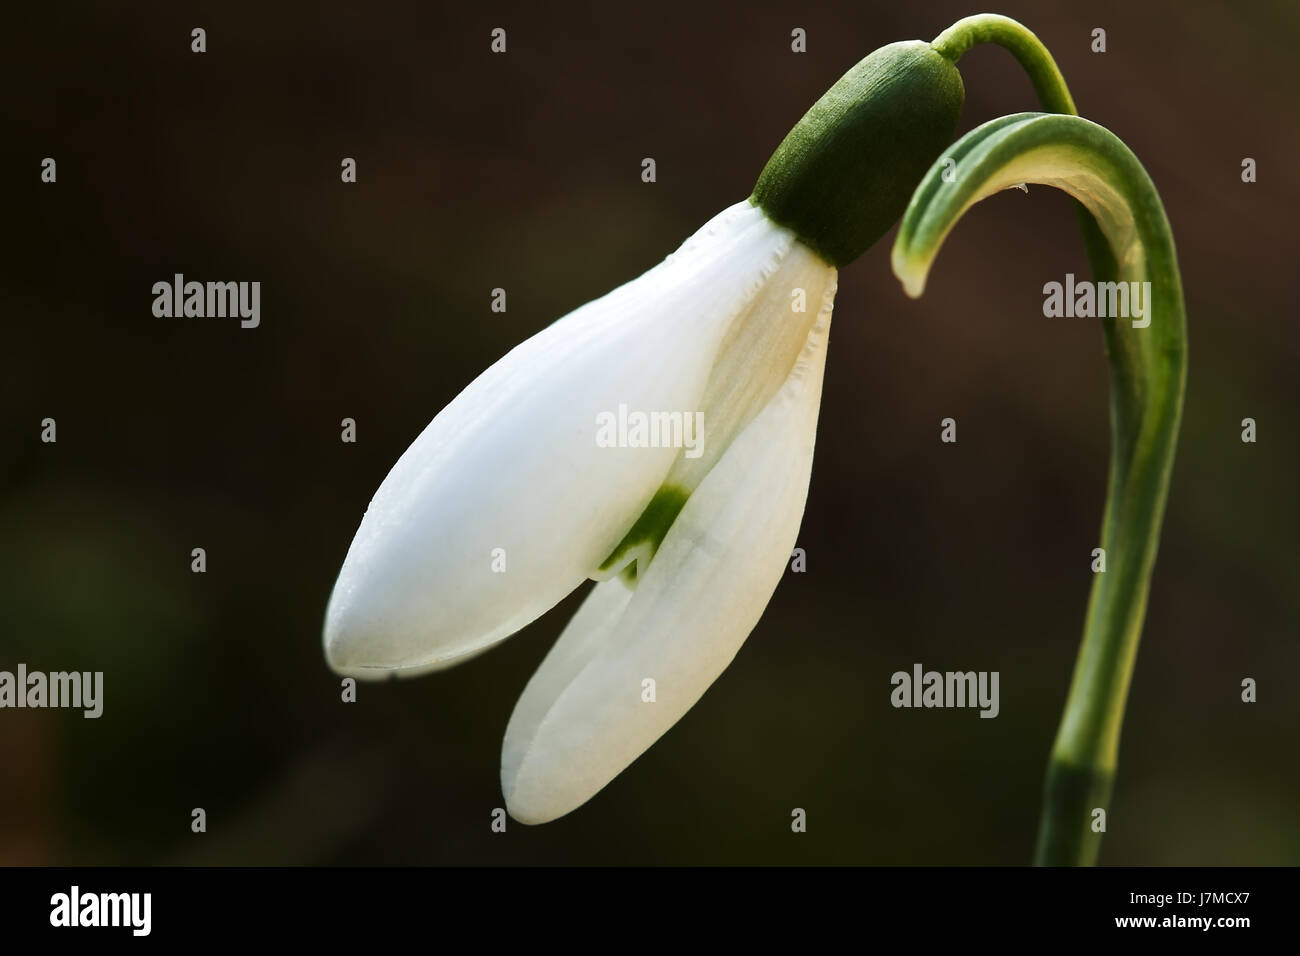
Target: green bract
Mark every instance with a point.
(1148, 366)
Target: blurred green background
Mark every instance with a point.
(523, 171)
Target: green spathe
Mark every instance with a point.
(844, 174)
(1129, 240)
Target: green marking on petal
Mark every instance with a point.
(642, 541)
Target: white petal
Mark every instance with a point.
(581, 719)
(757, 356)
(512, 462)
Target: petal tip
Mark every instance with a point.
(530, 808)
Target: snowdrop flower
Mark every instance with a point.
(547, 470)
(687, 550)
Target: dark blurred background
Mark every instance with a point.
(523, 171)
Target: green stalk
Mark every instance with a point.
(1048, 82)
(1130, 242)
(1049, 85)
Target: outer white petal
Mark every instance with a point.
(512, 462)
(581, 719)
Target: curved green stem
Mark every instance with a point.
(1048, 82)
(1049, 85)
(1148, 366)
